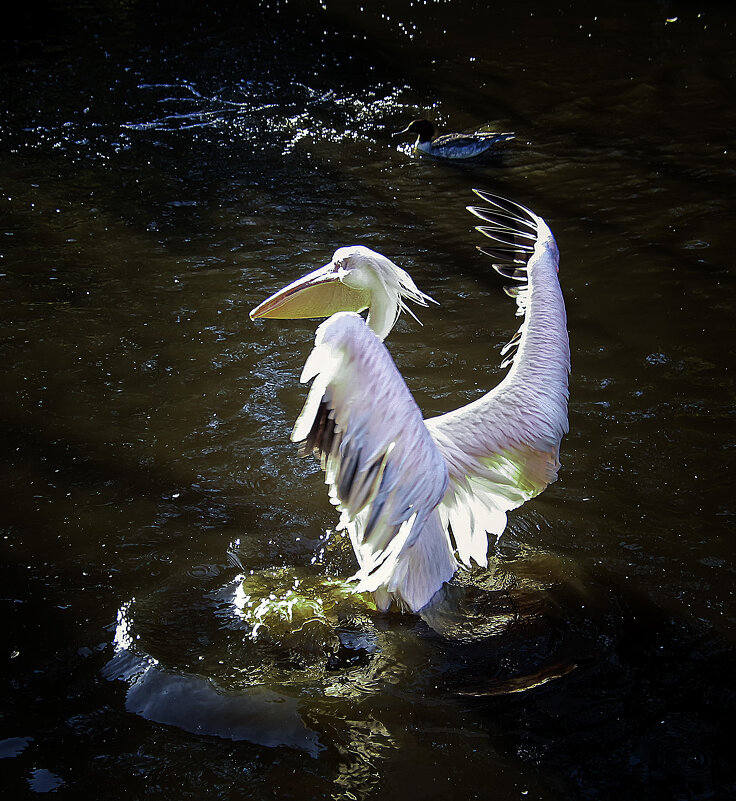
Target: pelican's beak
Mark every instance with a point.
(317, 294)
(405, 131)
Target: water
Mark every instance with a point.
(175, 619)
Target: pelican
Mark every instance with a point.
(454, 145)
(418, 497)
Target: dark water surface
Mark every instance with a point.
(175, 625)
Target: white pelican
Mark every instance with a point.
(454, 145)
(419, 497)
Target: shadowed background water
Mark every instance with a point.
(164, 167)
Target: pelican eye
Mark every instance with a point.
(342, 273)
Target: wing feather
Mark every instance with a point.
(503, 448)
(385, 473)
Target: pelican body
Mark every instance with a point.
(454, 145)
(420, 497)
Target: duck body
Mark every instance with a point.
(455, 145)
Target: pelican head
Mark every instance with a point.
(356, 279)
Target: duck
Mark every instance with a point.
(454, 145)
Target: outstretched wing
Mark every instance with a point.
(503, 448)
(384, 471)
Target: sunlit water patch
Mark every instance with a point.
(248, 112)
(263, 116)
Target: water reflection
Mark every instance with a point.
(193, 703)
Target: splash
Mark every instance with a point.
(302, 617)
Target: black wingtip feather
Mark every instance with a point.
(514, 230)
